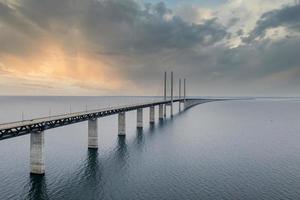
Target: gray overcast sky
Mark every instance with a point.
(122, 47)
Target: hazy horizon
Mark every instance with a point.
(175, 96)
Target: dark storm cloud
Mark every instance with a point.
(288, 17)
(262, 58)
(138, 30)
(112, 26)
(227, 71)
(144, 40)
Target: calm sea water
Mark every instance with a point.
(219, 150)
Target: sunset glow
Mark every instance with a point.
(114, 47)
(55, 69)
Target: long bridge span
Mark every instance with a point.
(37, 127)
(14, 129)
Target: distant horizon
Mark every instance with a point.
(149, 96)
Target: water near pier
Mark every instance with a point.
(219, 150)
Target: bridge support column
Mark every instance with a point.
(161, 111)
(139, 118)
(122, 124)
(37, 153)
(184, 94)
(152, 114)
(179, 95)
(185, 104)
(93, 134)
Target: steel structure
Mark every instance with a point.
(14, 129)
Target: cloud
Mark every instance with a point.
(50, 38)
(288, 17)
(123, 46)
(16, 34)
(110, 26)
(149, 29)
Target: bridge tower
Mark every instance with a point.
(171, 104)
(165, 95)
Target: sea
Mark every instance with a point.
(223, 150)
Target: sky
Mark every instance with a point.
(123, 47)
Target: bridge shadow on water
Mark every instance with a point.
(96, 169)
(37, 187)
(93, 168)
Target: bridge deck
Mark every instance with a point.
(19, 128)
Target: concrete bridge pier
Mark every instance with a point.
(37, 152)
(139, 117)
(122, 124)
(93, 134)
(179, 95)
(152, 114)
(161, 111)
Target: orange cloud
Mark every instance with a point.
(59, 68)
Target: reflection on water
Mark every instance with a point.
(122, 152)
(93, 170)
(38, 187)
(161, 122)
(151, 128)
(139, 140)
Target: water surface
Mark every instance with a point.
(218, 150)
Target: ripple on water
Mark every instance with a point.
(220, 150)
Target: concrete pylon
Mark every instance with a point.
(152, 114)
(93, 134)
(171, 109)
(165, 94)
(122, 124)
(161, 111)
(139, 118)
(37, 152)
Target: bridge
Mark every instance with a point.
(37, 127)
